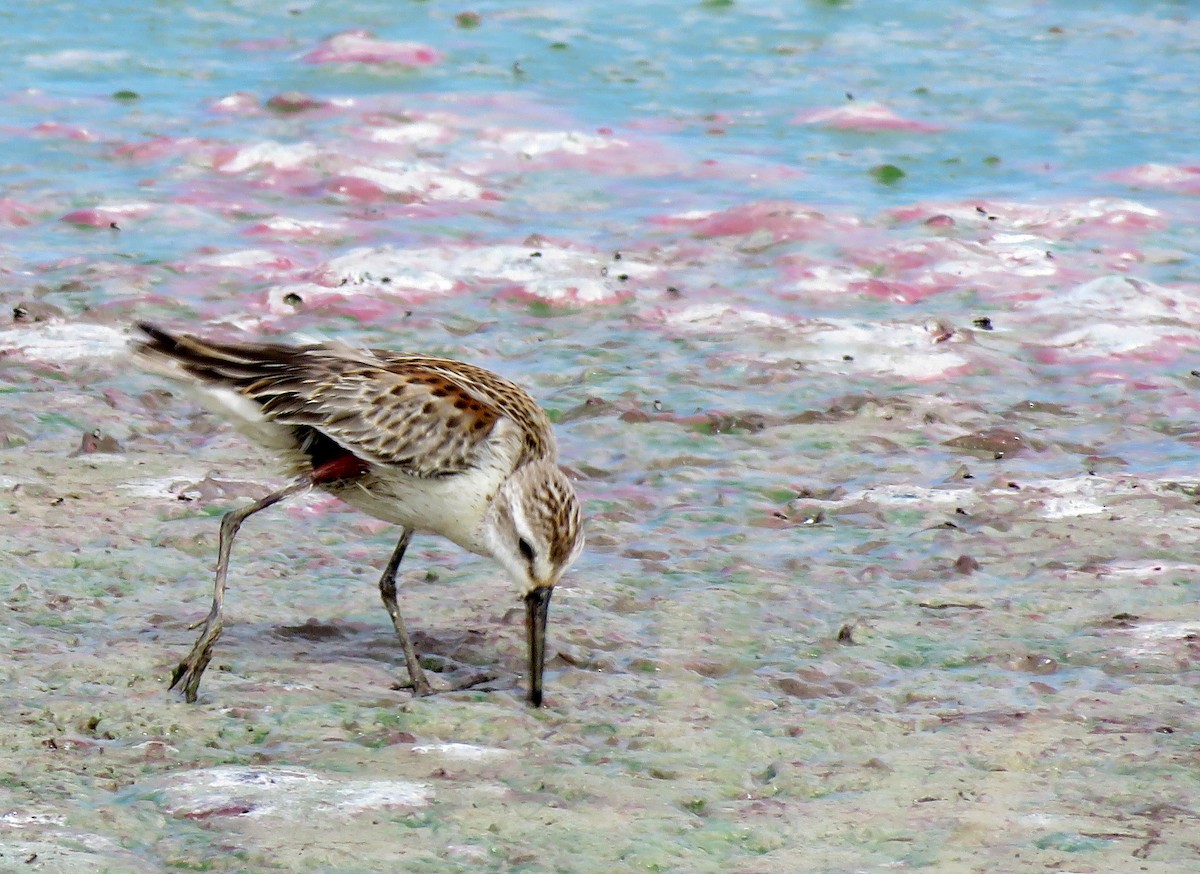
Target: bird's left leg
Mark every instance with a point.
(192, 668)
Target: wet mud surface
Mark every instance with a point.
(929, 664)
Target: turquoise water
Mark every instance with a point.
(1036, 98)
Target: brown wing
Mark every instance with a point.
(427, 416)
(415, 420)
(494, 391)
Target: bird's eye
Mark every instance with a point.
(525, 549)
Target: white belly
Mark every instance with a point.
(453, 507)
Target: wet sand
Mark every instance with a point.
(990, 672)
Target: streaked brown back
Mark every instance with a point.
(428, 416)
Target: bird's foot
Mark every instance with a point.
(422, 687)
(419, 685)
(472, 681)
(189, 671)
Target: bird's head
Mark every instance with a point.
(534, 529)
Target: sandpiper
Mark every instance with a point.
(429, 444)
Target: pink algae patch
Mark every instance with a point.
(1184, 179)
(865, 118)
(356, 188)
(238, 103)
(782, 220)
(284, 227)
(14, 214)
(821, 281)
(1055, 221)
(258, 261)
(710, 168)
(409, 183)
(361, 47)
(267, 44)
(65, 131)
(161, 147)
(898, 291)
(367, 174)
(1106, 344)
(597, 152)
(106, 216)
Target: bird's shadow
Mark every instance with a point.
(280, 653)
(453, 653)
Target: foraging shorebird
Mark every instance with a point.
(429, 444)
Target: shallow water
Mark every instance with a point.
(869, 334)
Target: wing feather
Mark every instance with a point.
(430, 417)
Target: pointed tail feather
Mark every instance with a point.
(211, 361)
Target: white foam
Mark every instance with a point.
(1119, 297)
(1072, 497)
(421, 179)
(282, 156)
(724, 317)
(159, 486)
(1121, 339)
(68, 59)
(902, 495)
(64, 342)
(1142, 569)
(906, 350)
(1070, 508)
(412, 133)
(1155, 638)
(460, 751)
(284, 224)
(286, 792)
(18, 819)
(1163, 174)
(244, 259)
(544, 270)
(535, 143)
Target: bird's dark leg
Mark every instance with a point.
(387, 591)
(192, 668)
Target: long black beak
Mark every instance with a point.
(537, 610)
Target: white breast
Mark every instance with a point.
(453, 506)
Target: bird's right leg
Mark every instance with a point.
(192, 668)
(387, 591)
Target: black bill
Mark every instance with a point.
(537, 610)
